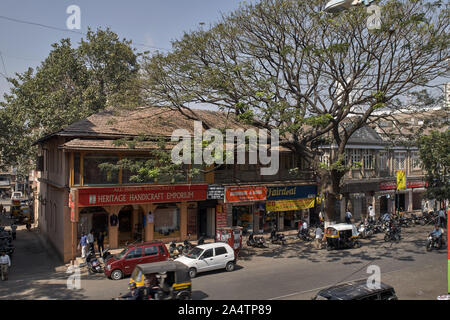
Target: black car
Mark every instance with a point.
(357, 290)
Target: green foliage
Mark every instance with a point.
(69, 85)
(435, 155)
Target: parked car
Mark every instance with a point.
(123, 264)
(211, 256)
(357, 290)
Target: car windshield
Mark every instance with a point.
(121, 254)
(195, 253)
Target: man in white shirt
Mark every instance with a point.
(371, 214)
(90, 240)
(5, 263)
(318, 239)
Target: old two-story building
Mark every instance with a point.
(371, 181)
(75, 194)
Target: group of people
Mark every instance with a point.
(303, 229)
(146, 292)
(87, 243)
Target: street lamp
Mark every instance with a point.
(341, 5)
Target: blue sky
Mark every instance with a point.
(151, 22)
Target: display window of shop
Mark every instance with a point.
(243, 217)
(166, 221)
(93, 174)
(92, 218)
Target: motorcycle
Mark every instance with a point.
(93, 263)
(417, 220)
(277, 238)
(366, 231)
(256, 242)
(173, 251)
(393, 233)
(304, 235)
(434, 242)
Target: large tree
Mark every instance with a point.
(435, 156)
(287, 64)
(69, 85)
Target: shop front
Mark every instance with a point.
(286, 206)
(408, 200)
(244, 207)
(136, 213)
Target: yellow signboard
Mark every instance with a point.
(401, 180)
(290, 205)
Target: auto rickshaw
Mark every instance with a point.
(342, 235)
(171, 277)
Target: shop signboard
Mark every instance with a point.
(290, 205)
(221, 217)
(392, 185)
(140, 195)
(248, 193)
(215, 192)
(291, 192)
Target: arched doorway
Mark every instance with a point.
(93, 218)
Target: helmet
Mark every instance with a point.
(133, 285)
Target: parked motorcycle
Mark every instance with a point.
(92, 263)
(304, 235)
(366, 230)
(173, 250)
(434, 242)
(393, 233)
(277, 238)
(256, 242)
(417, 220)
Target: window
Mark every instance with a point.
(76, 168)
(150, 251)
(415, 161)
(220, 250)
(136, 253)
(92, 172)
(325, 159)
(208, 254)
(161, 250)
(367, 159)
(355, 156)
(383, 160)
(400, 160)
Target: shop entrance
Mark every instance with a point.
(243, 217)
(202, 222)
(125, 230)
(400, 202)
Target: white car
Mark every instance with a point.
(211, 256)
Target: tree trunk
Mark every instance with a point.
(330, 181)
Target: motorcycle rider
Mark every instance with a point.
(437, 234)
(133, 294)
(303, 228)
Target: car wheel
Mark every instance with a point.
(230, 266)
(116, 274)
(192, 272)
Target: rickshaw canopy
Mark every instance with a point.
(181, 270)
(345, 227)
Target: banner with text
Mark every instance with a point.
(242, 194)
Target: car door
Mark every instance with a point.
(132, 259)
(163, 253)
(151, 254)
(206, 260)
(221, 257)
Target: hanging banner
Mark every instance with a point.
(291, 205)
(242, 194)
(401, 180)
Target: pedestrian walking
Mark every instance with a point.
(5, 264)
(371, 214)
(318, 239)
(90, 240)
(348, 217)
(442, 219)
(13, 230)
(83, 245)
(1, 208)
(100, 241)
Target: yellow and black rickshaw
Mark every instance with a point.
(171, 277)
(342, 235)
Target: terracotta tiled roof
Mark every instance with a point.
(147, 121)
(102, 144)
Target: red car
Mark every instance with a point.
(124, 263)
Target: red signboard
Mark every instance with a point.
(242, 194)
(221, 217)
(139, 195)
(392, 185)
